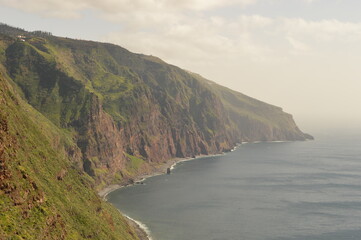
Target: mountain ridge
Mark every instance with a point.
(114, 115)
(116, 103)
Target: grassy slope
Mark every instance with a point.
(61, 77)
(117, 76)
(42, 195)
(242, 108)
(122, 79)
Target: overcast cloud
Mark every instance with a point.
(305, 64)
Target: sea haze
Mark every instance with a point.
(264, 191)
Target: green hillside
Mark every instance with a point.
(77, 116)
(43, 195)
(116, 104)
(256, 120)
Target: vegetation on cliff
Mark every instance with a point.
(80, 115)
(116, 104)
(43, 195)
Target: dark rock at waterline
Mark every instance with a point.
(309, 137)
(168, 170)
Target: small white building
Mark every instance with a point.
(21, 38)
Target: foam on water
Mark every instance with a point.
(141, 225)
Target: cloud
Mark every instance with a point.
(324, 30)
(173, 28)
(48, 8)
(113, 8)
(265, 57)
(206, 4)
(198, 40)
(298, 47)
(253, 37)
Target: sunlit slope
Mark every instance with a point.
(257, 120)
(128, 112)
(43, 195)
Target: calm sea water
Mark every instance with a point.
(264, 191)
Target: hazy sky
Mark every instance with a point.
(302, 55)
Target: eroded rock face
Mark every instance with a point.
(152, 135)
(101, 143)
(118, 105)
(43, 195)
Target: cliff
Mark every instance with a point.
(77, 116)
(43, 195)
(126, 112)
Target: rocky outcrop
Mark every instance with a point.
(101, 142)
(149, 134)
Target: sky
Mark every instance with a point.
(301, 55)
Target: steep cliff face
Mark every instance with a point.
(128, 112)
(42, 194)
(256, 120)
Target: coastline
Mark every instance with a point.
(159, 170)
(162, 168)
(163, 201)
(141, 229)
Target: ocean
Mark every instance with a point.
(261, 191)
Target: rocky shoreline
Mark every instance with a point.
(140, 229)
(159, 170)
